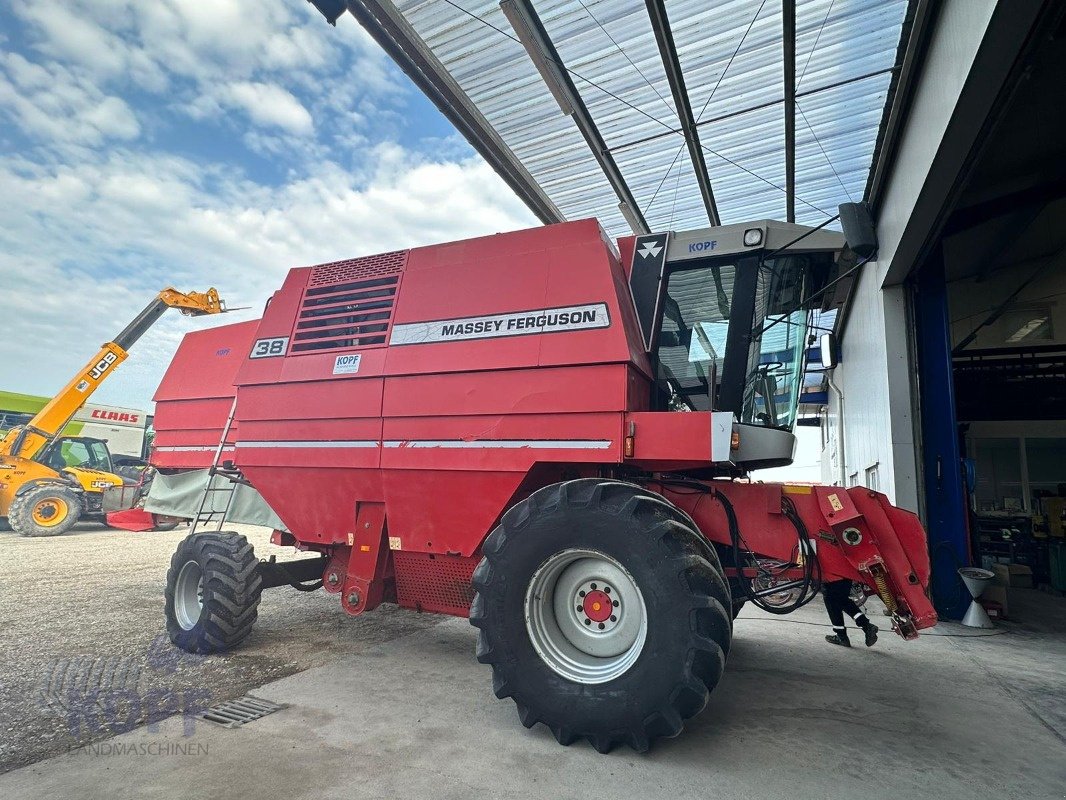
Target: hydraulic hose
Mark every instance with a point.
(811, 582)
(812, 577)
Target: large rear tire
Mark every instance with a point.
(212, 594)
(603, 613)
(50, 509)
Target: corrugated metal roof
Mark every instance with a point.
(730, 52)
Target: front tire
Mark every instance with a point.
(212, 593)
(603, 613)
(45, 510)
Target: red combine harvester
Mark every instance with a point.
(532, 431)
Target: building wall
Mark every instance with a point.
(876, 372)
(873, 380)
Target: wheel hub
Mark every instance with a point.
(585, 616)
(189, 595)
(49, 512)
(601, 612)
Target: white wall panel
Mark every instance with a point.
(876, 370)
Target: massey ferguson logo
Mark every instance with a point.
(102, 366)
(516, 323)
(116, 416)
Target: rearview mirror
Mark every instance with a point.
(829, 353)
(858, 227)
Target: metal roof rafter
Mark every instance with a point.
(788, 58)
(664, 38)
(383, 21)
(534, 38)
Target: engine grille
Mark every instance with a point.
(348, 304)
(437, 583)
(356, 268)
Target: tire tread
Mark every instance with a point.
(698, 571)
(231, 574)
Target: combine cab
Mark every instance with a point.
(532, 431)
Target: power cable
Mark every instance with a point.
(814, 46)
(626, 56)
(669, 169)
(561, 65)
(706, 103)
(673, 206)
(825, 155)
(729, 63)
(761, 178)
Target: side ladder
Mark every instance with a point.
(207, 514)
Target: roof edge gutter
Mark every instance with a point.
(922, 18)
(383, 21)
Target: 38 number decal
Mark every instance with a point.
(268, 348)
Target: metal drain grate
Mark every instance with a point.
(237, 712)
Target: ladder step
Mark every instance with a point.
(205, 516)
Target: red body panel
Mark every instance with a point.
(415, 396)
(453, 426)
(132, 519)
(196, 395)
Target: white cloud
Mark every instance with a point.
(149, 43)
(52, 102)
(86, 245)
(269, 104)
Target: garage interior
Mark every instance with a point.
(990, 304)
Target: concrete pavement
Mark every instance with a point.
(943, 717)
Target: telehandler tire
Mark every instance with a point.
(45, 510)
(4, 524)
(212, 593)
(603, 612)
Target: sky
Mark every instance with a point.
(195, 144)
(191, 144)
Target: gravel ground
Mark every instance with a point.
(83, 651)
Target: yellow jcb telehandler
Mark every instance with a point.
(47, 481)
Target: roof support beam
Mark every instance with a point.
(664, 38)
(788, 41)
(534, 38)
(391, 31)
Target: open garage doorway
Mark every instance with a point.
(990, 313)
